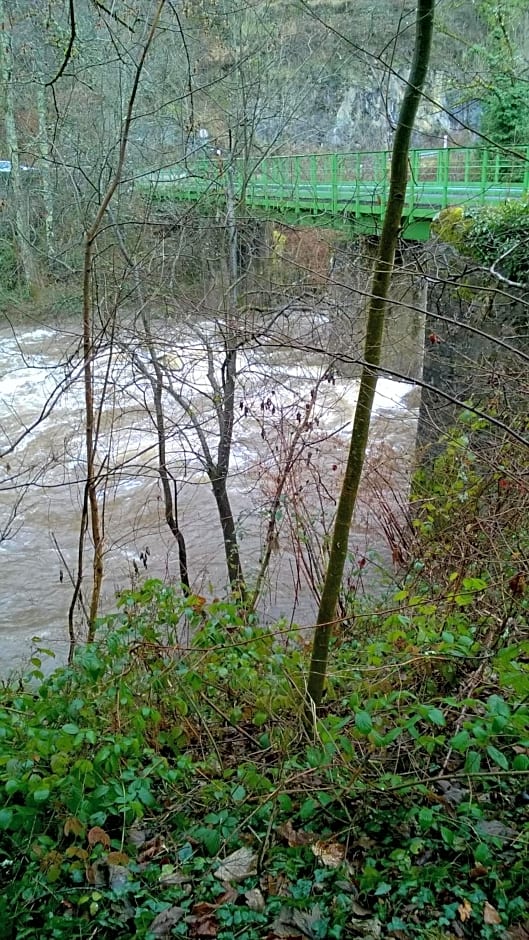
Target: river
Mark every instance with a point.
(42, 469)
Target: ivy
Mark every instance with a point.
(495, 235)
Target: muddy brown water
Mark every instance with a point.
(42, 470)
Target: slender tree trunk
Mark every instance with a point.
(91, 514)
(22, 224)
(170, 498)
(229, 533)
(45, 169)
(219, 474)
(372, 353)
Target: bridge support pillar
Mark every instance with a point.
(403, 341)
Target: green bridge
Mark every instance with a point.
(348, 190)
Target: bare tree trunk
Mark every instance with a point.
(170, 498)
(45, 169)
(219, 474)
(372, 353)
(22, 224)
(91, 510)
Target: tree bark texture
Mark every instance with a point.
(22, 224)
(372, 352)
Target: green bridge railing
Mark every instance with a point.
(350, 189)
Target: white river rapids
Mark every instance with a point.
(43, 467)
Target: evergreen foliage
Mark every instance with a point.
(495, 235)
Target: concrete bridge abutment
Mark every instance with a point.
(349, 293)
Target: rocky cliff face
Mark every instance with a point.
(366, 116)
(324, 75)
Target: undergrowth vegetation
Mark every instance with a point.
(166, 784)
(496, 235)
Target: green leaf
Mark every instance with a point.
(498, 706)
(473, 762)
(460, 741)
(59, 763)
(482, 853)
(41, 795)
(316, 757)
(70, 728)
(497, 756)
(436, 716)
(383, 888)
(285, 802)
(211, 840)
(363, 722)
(238, 794)
(425, 817)
(520, 762)
(6, 815)
(308, 808)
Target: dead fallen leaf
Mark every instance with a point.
(495, 828)
(370, 929)
(151, 849)
(173, 878)
(293, 836)
(98, 836)
(283, 927)
(490, 914)
(97, 874)
(230, 896)
(331, 854)
(137, 836)
(255, 900)
(73, 826)
(118, 876)
(237, 866)
(464, 910)
(309, 922)
(117, 858)
(164, 922)
(519, 932)
(203, 920)
(74, 851)
(358, 910)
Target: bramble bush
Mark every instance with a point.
(130, 775)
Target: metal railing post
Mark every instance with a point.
(484, 174)
(413, 180)
(526, 171)
(334, 182)
(497, 168)
(358, 180)
(314, 181)
(445, 162)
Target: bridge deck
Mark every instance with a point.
(351, 190)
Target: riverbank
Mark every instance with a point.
(159, 788)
